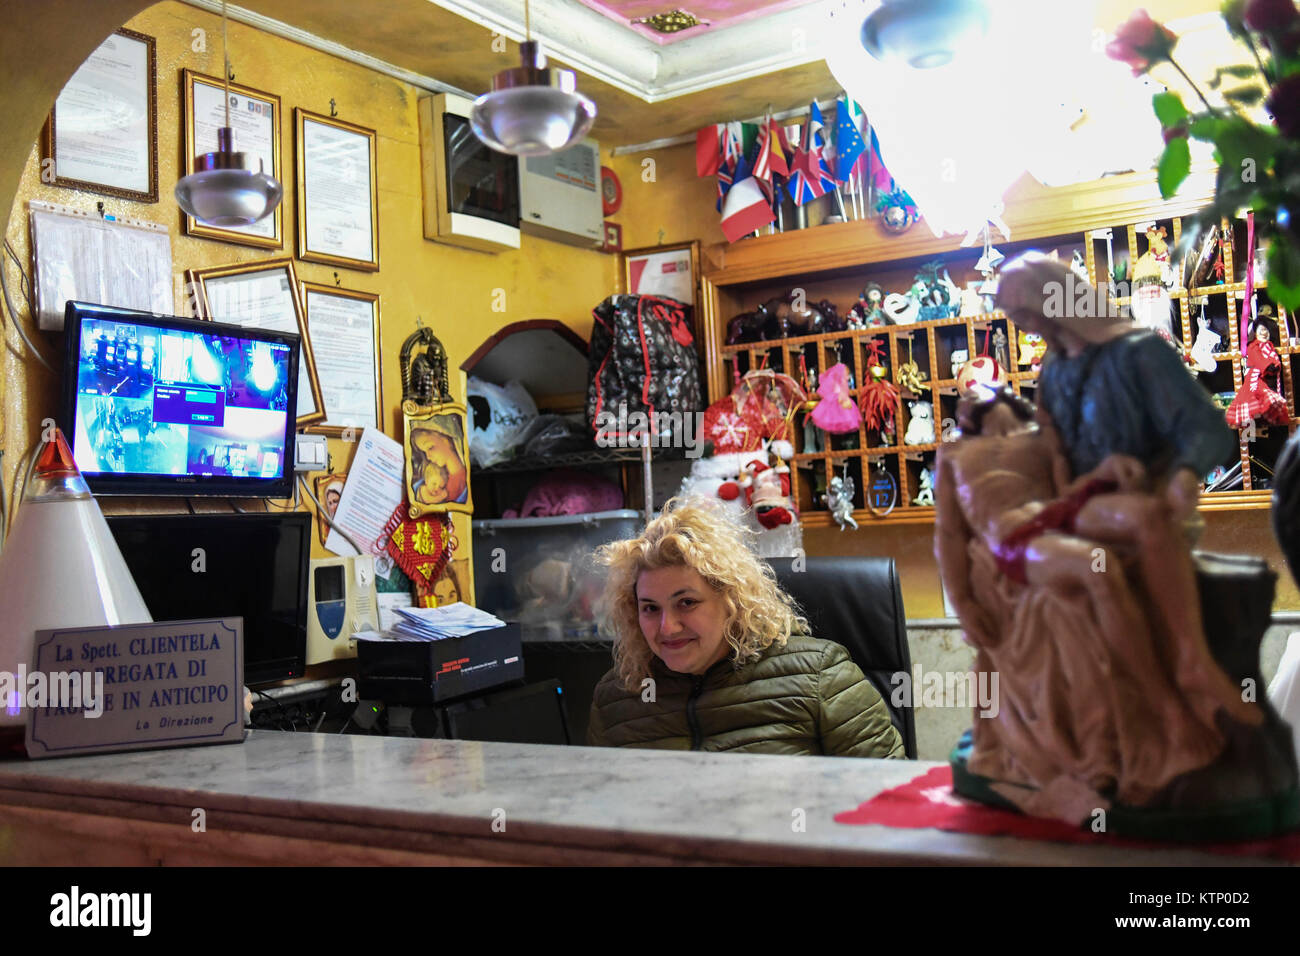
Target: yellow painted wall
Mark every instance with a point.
(452, 289)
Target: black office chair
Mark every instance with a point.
(857, 602)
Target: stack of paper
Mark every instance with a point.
(436, 623)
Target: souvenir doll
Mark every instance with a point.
(920, 427)
(835, 413)
(1151, 305)
(1255, 399)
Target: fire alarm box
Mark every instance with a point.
(560, 196)
(471, 192)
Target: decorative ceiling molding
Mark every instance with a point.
(617, 55)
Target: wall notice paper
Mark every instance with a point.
(138, 687)
(342, 333)
(337, 170)
(83, 258)
(374, 489)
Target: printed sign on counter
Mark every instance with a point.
(139, 687)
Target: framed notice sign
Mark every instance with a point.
(344, 327)
(262, 295)
(338, 193)
(137, 687)
(255, 118)
(102, 135)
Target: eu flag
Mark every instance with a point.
(848, 142)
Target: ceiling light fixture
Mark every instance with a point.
(228, 188)
(964, 95)
(532, 109)
(924, 34)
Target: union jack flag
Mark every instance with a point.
(809, 175)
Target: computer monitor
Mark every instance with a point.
(252, 566)
(160, 405)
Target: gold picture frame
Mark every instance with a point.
(246, 99)
(436, 446)
(50, 146)
(326, 426)
(325, 484)
(312, 246)
(201, 282)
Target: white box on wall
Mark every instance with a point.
(471, 194)
(560, 196)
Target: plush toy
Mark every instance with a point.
(741, 484)
(920, 429)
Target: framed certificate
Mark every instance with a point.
(262, 295)
(255, 118)
(338, 195)
(102, 135)
(344, 326)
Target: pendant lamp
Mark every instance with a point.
(532, 109)
(228, 188)
(60, 566)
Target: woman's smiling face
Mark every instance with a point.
(682, 618)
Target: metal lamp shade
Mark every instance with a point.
(60, 567)
(226, 189)
(532, 109)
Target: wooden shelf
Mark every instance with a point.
(832, 256)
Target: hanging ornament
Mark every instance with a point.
(909, 373)
(839, 499)
(421, 547)
(878, 398)
(882, 490)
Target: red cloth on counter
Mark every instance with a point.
(928, 801)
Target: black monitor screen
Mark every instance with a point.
(227, 565)
(480, 181)
(164, 405)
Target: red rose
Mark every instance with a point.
(1284, 103)
(1271, 16)
(1140, 42)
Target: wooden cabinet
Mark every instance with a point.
(835, 262)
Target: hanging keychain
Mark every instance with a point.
(882, 490)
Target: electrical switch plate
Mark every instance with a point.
(311, 453)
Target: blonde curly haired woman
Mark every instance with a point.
(710, 654)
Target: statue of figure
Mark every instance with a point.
(1062, 538)
(1036, 571)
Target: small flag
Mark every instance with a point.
(780, 147)
(809, 175)
(708, 150)
(848, 141)
(745, 209)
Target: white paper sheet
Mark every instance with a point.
(372, 493)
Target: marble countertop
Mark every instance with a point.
(596, 804)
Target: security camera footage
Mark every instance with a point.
(166, 402)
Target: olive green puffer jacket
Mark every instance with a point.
(807, 697)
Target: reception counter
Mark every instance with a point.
(297, 798)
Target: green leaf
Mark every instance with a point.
(1241, 72)
(1175, 164)
(1205, 128)
(1284, 272)
(1169, 109)
(1246, 95)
